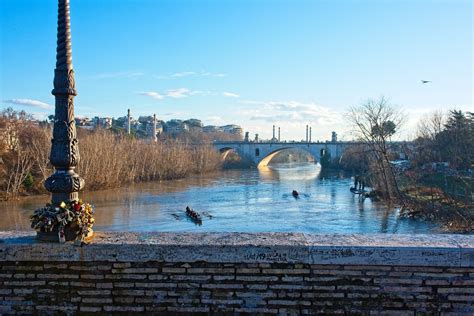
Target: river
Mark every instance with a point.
(255, 200)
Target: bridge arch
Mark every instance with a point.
(269, 156)
(225, 151)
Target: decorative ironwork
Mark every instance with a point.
(64, 184)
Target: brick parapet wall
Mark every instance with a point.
(265, 274)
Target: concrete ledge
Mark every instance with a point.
(354, 249)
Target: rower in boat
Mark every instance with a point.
(193, 215)
(295, 194)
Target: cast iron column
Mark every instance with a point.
(64, 184)
(128, 121)
(155, 139)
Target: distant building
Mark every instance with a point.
(177, 129)
(102, 122)
(135, 125)
(122, 122)
(334, 137)
(144, 125)
(83, 121)
(211, 129)
(229, 129)
(149, 128)
(232, 129)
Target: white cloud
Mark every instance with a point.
(184, 74)
(178, 93)
(29, 102)
(174, 93)
(230, 95)
(152, 94)
(200, 92)
(292, 112)
(173, 114)
(292, 117)
(210, 74)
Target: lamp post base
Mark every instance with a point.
(71, 233)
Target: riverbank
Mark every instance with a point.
(432, 204)
(108, 160)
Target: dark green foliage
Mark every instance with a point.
(457, 140)
(29, 180)
(451, 141)
(387, 129)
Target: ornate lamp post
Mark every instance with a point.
(64, 184)
(66, 218)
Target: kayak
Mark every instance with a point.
(355, 191)
(194, 216)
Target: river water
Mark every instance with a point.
(256, 200)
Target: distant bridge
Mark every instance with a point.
(261, 153)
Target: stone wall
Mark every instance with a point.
(239, 273)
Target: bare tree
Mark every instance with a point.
(374, 123)
(18, 173)
(431, 125)
(428, 137)
(40, 147)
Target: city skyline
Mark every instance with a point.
(255, 64)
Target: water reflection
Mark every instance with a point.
(290, 171)
(237, 200)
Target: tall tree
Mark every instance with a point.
(457, 139)
(428, 142)
(374, 123)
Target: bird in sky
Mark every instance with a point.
(425, 81)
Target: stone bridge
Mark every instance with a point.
(261, 153)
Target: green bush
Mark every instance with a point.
(29, 180)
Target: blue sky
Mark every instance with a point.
(254, 63)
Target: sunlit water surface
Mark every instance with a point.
(236, 201)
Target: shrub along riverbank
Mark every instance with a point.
(436, 183)
(108, 159)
